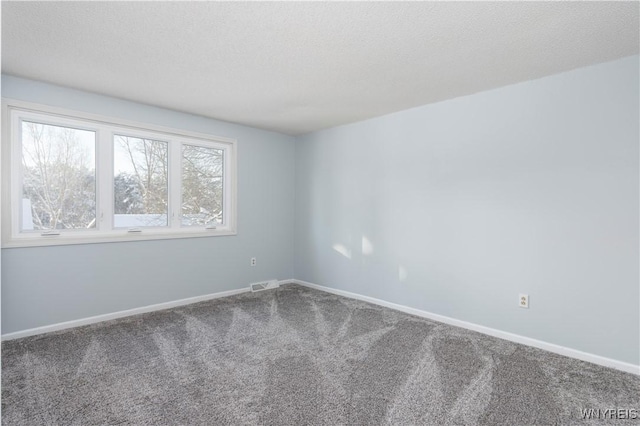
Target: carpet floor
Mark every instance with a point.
(296, 356)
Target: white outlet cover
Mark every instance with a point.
(523, 301)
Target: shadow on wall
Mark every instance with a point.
(340, 248)
(367, 250)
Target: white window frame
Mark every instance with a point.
(15, 111)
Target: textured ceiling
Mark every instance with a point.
(300, 67)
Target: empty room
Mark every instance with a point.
(320, 213)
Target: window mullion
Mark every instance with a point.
(175, 184)
(105, 179)
(16, 174)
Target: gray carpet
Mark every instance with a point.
(295, 356)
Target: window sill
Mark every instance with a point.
(111, 237)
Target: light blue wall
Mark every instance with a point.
(531, 188)
(47, 285)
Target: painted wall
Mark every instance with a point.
(457, 207)
(47, 285)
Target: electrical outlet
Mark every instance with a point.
(523, 301)
(253, 261)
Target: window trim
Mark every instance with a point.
(105, 127)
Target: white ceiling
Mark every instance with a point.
(300, 67)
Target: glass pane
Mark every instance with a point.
(202, 171)
(58, 178)
(140, 177)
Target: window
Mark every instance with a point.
(72, 178)
(58, 177)
(140, 182)
(202, 177)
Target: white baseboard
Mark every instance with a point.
(120, 314)
(572, 353)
